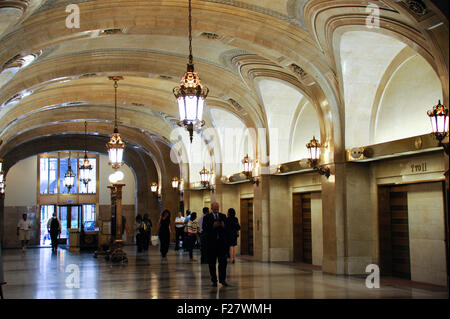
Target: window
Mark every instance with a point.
(44, 175)
(52, 168)
(63, 166)
(89, 217)
(92, 185)
(49, 175)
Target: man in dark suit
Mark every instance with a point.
(214, 227)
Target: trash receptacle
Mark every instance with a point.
(74, 240)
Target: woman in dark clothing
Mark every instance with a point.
(231, 228)
(148, 231)
(164, 233)
(140, 231)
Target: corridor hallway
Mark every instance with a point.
(37, 274)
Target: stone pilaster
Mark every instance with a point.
(261, 219)
(333, 210)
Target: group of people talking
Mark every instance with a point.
(216, 233)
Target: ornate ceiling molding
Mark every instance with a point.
(18, 4)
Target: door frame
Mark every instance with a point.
(300, 257)
(244, 242)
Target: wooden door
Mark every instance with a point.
(302, 234)
(394, 231)
(246, 233)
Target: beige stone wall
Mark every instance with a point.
(426, 233)
(361, 238)
(21, 182)
(12, 215)
(128, 191)
(317, 228)
(281, 243)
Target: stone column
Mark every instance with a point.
(261, 219)
(116, 199)
(349, 219)
(333, 212)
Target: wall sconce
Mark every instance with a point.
(439, 123)
(175, 183)
(314, 148)
(248, 168)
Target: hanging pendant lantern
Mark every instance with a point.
(191, 93)
(85, 167)
(204, 177)
(69, 177)
(116, 145)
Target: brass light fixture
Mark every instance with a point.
(314, 148)
(191, 94)
(69, 176)
(439, 123)
(86, 167)
(116, 145)
(248, 168)
(154, 187)
(175, 183)
(205, 177)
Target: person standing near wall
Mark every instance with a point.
(54, 229)
(23, 231)
(125, 229)
(232, 228)
(186, 221)
(140, 232)
(192, 235)
(164, 233)
(179, 230)
(148, 231)
(203, 239)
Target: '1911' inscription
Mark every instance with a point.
(417, 168)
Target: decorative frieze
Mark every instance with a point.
(236, 105)
(417, 7)
(298, 70)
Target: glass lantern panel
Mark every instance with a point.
(91, 187)
(181, 108)
(191, 108)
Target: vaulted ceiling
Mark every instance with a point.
(53, 78)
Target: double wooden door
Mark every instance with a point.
(246, 233)
(302, 228)
(394, 231)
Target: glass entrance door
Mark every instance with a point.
(46, 213)
(62, 215)
(69, 215)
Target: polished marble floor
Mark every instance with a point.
(38, 273)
